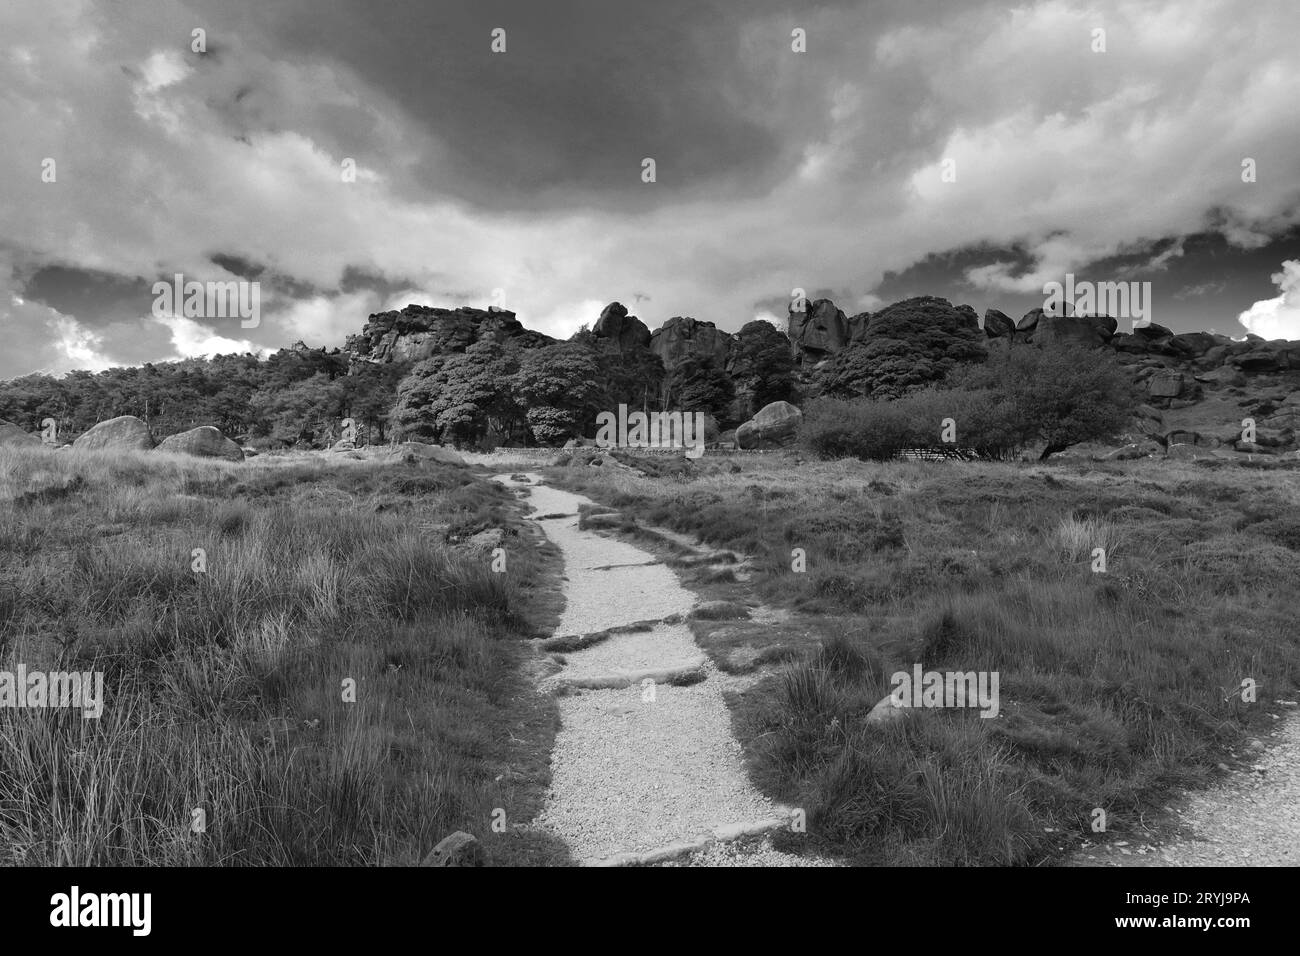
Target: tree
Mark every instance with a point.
(560, 385)
(1024, 396)
(1059, 395)
(696, 384)
(308, 411)
(459, 398)
(906, 346)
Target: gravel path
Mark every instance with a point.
(631, 774)
(1252, 819)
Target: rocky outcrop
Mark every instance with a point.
(124, 433)
(820, 330)
(202, 442)
(418, 332)
(683, 337)
(620, 332)
(1041, 328)
(775, 426)
(13, 436)
(1175, 372)
(760, 359)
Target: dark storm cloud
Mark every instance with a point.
(103, 297)
(520, 172)
(584, 92)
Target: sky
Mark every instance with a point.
(974, 151)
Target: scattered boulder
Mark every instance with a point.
(202, 442)
(124, 433)
(1125, 342)
(1260, 360)
(1193, 344)
(13, 436)
(458, 849)
(1152, 332)
(774, 426)
(1225, 376)
(484, 542)
(1148, 420)
(426, 452)
(1166, 383)
(885, 712)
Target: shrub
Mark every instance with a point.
(1021, 397)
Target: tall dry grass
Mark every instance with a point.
(227, 736)
(1116, 688)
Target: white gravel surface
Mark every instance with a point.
(631, 774)
(1251, 819)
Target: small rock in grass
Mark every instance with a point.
(458, 849)
(886, 712)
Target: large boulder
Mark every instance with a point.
(775, 426)
(1087, 331)
(1268, 358)
(12, 435)
(887, 711)
(1226, 376)
(1193, 344)
(1028, 322)
(202, 442)
(998, 324)
(620, 331)
(1166, 383)
(124, 433)
(1127, 342)
(1152, 332)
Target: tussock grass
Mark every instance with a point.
(225, 689)
(1115, 688)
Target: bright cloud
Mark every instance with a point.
(1279, 317)
(166, 159)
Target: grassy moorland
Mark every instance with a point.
(1117, 687)
(225, 688)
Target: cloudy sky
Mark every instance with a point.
(974, 151)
